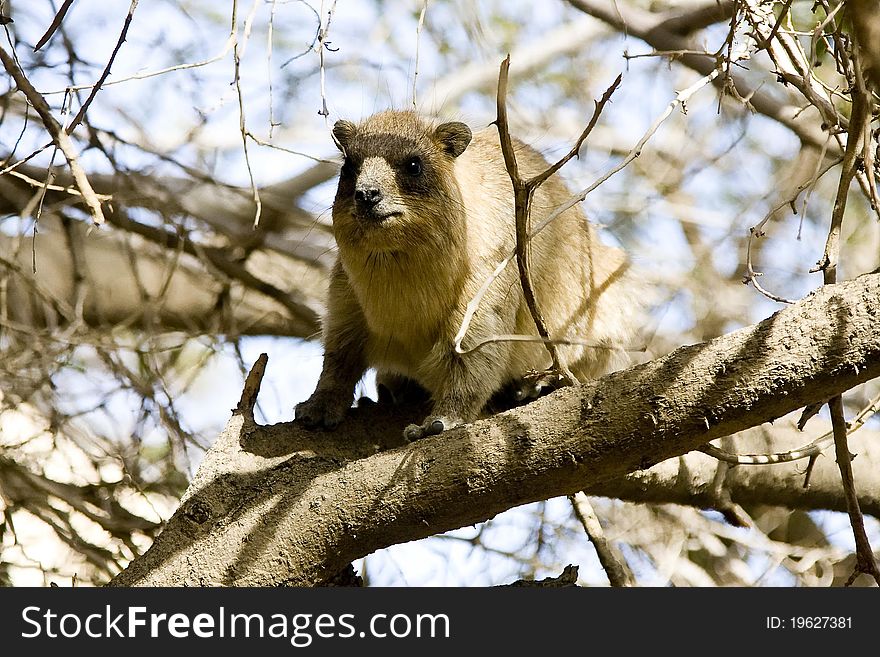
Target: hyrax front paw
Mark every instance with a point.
(323, 410)
(433, 425)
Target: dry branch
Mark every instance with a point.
(646, 26)
(273, 295)
(281, 505)
(58, 134)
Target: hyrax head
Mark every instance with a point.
(397, 187)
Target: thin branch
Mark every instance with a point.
(324, 44)
(56, 23)
(268, 144)
(55, 188)
(752, 275)
(242, 126)
(269, 48)
(85, 106)
(619, 575)
(418, 44)
(680, 99)
(782, 15)
(540, 178)
(227, 46)
(523, 193)
(828, 264)
(59, 136)
(865, 562)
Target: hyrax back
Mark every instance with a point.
(423, 214)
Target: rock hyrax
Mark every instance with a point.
(422, 216)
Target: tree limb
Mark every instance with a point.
(649, 28)
(188, 302)
(281, 505)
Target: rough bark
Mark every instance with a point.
(280, 505)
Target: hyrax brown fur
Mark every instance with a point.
(422, 216)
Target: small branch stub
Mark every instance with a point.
(252, 387)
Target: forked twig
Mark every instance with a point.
(523, 191)
(680, 99)
(810, 450)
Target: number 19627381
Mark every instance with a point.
(809, 623)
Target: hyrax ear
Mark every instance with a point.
(343, 133)
(454, 137)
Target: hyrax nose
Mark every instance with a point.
(368, 196)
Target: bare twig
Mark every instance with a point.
(55, 188)
(59, 136)
(782, 15)
(810, 450)
(828, 262)
(242, 126)
(752, 275)
(757, 230)
(85, 106)
(865, 562)
(267, 144)
(680, 98)
(418, 44)
(56, 23)
(252, 387)
(619, 575)
(324, 44)
(270, 31)
(227, 46)
(523, 192)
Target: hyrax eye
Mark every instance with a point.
(413, 166)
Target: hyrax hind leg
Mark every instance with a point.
(465, 384)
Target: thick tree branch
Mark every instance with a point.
(280, 505)
(287, 229)
(115, 287)
(649, 28)
(688, 479)
(691, 19)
